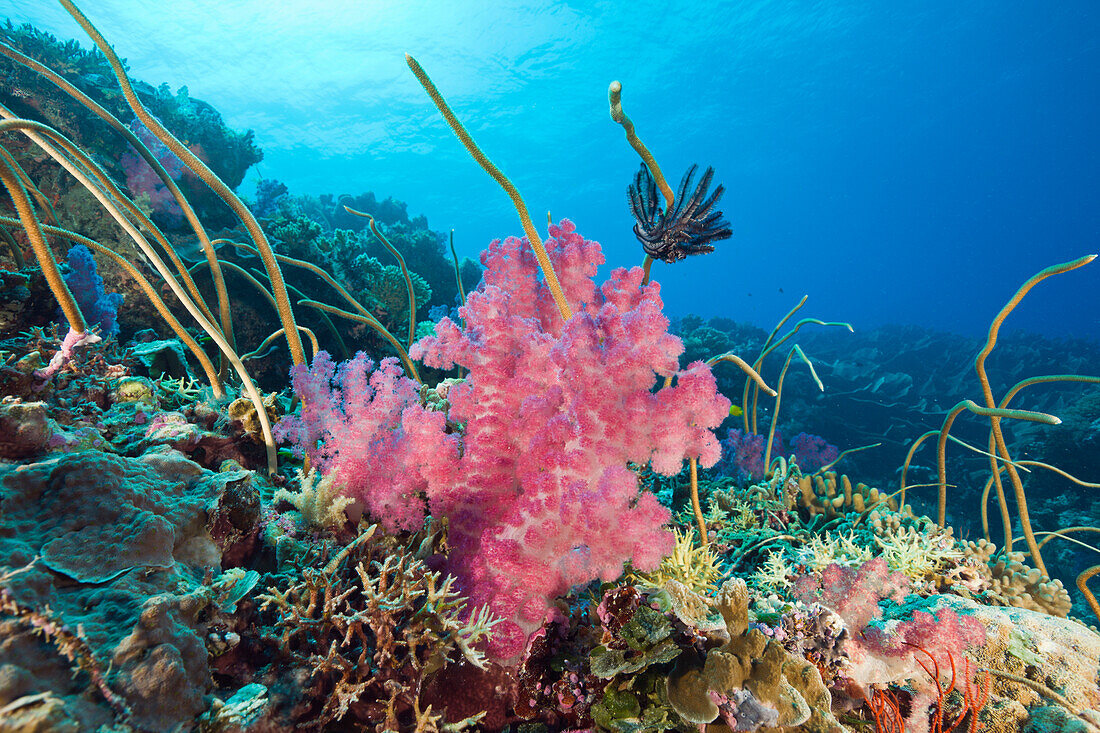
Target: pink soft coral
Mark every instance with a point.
(554, 413)
(853, 592)
(897, 652)
(371, 430)
(943, 636)
(541, 495)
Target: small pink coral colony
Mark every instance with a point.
(537, 487)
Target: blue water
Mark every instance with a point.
(908, 163)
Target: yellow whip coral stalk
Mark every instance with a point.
(151, 160)
(33, 228)
(400, 260)
(614, 99)
(107, 194)
(150, 292)
(200, 169)
(995, 421)
(517, 201)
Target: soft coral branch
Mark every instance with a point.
(369, 429)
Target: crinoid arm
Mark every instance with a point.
(688, 228)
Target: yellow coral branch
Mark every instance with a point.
(614, 98)
(200, 169)
(488, 166)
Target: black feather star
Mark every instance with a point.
(691, 226)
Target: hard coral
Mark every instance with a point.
(1006, 580)
(111, 548)
(751, 681)
(368, 628)
(25, 428)
(833, 495)
(695, 567)
(318, 500)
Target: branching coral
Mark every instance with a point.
(834, 494)
(1005, 580)
(695, 567)
(774, 573)
(371, 626)
(916, 554)
(825, 550)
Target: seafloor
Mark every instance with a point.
(547, 509)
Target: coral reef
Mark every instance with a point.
(515, 515)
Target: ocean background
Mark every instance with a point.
(899, 162)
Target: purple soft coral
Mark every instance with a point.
(142, 179)
(99, 307)
(812, 452)
(743, 453)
